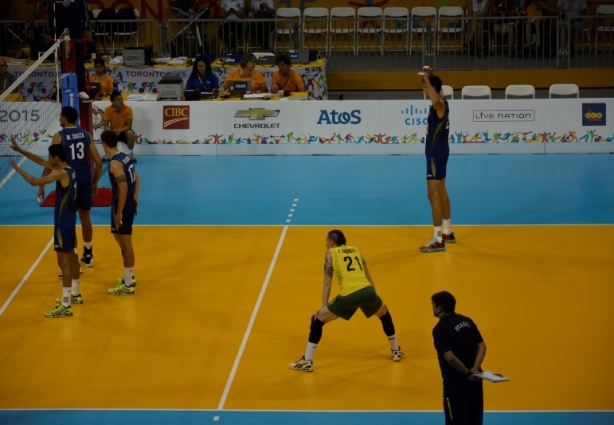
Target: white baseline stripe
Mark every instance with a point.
(265, 284)
(25, 278)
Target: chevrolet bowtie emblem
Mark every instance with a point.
(257, 113)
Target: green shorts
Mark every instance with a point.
(365, 299)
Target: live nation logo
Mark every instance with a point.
(482, 115)
(176, 117)
(593, 114)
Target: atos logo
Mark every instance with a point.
(334, 117)
(176, 117)
(417, 116)
(593, 114)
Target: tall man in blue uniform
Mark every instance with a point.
(460, 351)
(126, 184)
(80, 147)
(64, 219)
(437, 150)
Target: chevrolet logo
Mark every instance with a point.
(257, 113)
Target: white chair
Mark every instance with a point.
(450, 26)
(448, 92)
(396, 25)
(369, 31)
(286, 24)
(476, 91)
(342, 29)
(520, 90)
(315, 26)
(567, 90)
(604, 12)
(422, 24)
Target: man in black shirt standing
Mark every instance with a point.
(460, 350)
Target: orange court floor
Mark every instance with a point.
(216, 325)
(228, 280)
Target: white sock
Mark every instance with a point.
(76, 251)
(393, 342)
(128, 273)
(311, 348)
(66, 297)
(447, 226)
(87, 245)
(75, 289)
(437, 233)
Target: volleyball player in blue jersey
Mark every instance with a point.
(64, 220)
(79, 147)
(125, 183)
(437, 150)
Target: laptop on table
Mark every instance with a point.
(240, 88)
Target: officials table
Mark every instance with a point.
(41, 85)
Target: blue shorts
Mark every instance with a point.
(84, 195)
(436, 167)
(127, 217)
(64, 238)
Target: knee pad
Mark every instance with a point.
(315, 333)
(387, 324)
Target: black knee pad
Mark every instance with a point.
(387, 324)
(315, 333)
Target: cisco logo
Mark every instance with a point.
(417, 116)
(334, 117)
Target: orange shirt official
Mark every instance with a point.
(293, 83)
(106, 83)
(117, 119)
(257, 79)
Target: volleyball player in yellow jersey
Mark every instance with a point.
(357, 290)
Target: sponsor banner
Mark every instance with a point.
(594, 114)
(176, 117)
(476, 126)
(28, 122)
(404, 121)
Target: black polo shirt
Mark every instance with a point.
(456, 333)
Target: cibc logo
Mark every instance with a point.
(593, 114)
(176, 117)
(335, 117)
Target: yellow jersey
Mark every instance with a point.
(347, 264)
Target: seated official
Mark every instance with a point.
(100, 76)
(247, 72)
(286, 78)
(202, 78)
(118, 118)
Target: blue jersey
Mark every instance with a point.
(437, 144)
(129, 171)
(65, 215)
(76, 142)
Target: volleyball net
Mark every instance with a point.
(30, 107)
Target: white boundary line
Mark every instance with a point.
(235, 366)
(25, 278)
